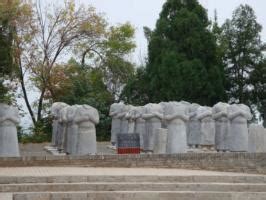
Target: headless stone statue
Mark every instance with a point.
(153, 117)
(55, 111)
(256, 139)
(124, 121)
(140, 124)
(130, 117)
(207, 127)
(238, 115)
(115, 109)
(194, 136)
(220, 115)
(86, 117)
(62, 129)
(9, 119)
(176, 116)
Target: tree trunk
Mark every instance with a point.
(25, 95)
(40, 105)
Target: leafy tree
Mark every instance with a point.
(182, 59)
(242, 54)
(85, 86)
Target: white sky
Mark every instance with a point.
(142, 13)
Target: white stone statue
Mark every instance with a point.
(238, 115)
(194, 136)
(86, 117)
(160, 146)
(115, 110)
(124, 121)
(140, 127)
(256, 139)
(220, 115)
(62, 129)
(55, 112)
(130, 117)
(207, 127)
(176, 116)
(153, 117)
(9, 119)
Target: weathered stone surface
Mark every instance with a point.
(124, 121)
(130, 116)
(9, 119)
(256, 139)
(153, 117)
(140, 127)
(193, 135)
(55, 111)
(86, 117)
(115, 110)
(207, 126)
(176, 116)
(238, 115)
(222, 123)
(160, 143)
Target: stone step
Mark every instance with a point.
(144, 178)
(141, 195)
(125, 186)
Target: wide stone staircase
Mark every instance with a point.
(130, 184)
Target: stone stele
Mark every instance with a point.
(238, 115)
(115, 110)
(176, 116)
(55, 111)
(153, 117)
(220, 115)
(9, 119)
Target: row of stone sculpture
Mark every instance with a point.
(74, 128)
(9, 119)
(223, 127)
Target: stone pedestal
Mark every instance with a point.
(160, 143)
(207, 127)
(238, 115)
(153, 117)
(220, 115)
(257, 139)
(9, 119)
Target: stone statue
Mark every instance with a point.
(124, 121)
(62, 129)
(220, 115)
(176, 116)
(153, 116)
(86, 117)
(256, 139)
(115, 110)
(194, 136)
(9, 119)
(55, 112)
(130, 117)
(207, 127)
(238, 115)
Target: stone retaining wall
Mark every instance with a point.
(230, 162)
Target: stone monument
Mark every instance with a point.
(130, 117)
(124, 121)
(153, 117)
(115, 110)
(176, 116)
(220, 115)
(256, 139)
(238, 115)
(207, 127)
(86, 117)
(55, 112)
(193, 135)
(9, 119)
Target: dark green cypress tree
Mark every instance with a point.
(182, 56)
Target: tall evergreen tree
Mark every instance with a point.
(182, 59)
(243, 53)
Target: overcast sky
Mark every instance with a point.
(142, 13)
